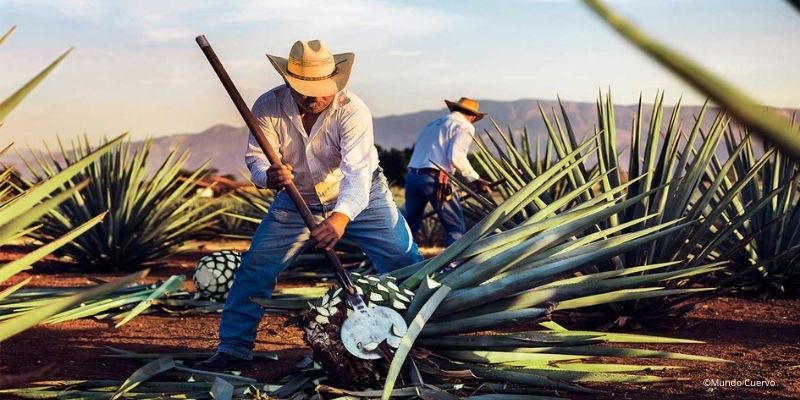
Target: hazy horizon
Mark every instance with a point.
(137, 68)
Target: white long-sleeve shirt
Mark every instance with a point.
(445, 141)
(333, 163)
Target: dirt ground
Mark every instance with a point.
(760, 337)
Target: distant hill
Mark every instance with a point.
(224, 145)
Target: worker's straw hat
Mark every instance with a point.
(313, 70)
(466, 104)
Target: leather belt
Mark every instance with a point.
(426, 171)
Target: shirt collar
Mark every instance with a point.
(459, 116)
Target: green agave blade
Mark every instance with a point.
(148, 371)
(500, 357)
(580, 376)
(601, 351)
(527, 377)
(7, 34)
(173, 284)
(624, 295)
(496, 320)
(8, 231)
(92, 308)
(499, 216)
(10, 269)
(16, 325)
(549, 268)
(586, 285)
(23, 203)
(414, 329)
(13, 101)
(747, 110)
(11, 289)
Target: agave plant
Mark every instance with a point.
(149, 215)
(17, 213)
(765, 251)
(510, 160)
(16, 98)
(21, 206)
(762, 123)
(675, 168)
(496, 278)
(431, 232)
(244, 207)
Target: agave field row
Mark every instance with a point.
(574, 236)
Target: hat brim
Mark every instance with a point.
(453, 106)
(317, 88)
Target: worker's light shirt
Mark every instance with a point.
(445, 142)
(333, 164)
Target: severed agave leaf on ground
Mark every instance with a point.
(24, 321)
(173, 284)
(222, 389)
(144, 373)
(417, 324)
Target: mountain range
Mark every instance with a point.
(224, 145)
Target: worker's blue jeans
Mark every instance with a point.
(420, 190)
(380, 230)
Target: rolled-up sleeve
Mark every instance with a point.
(254, 157)
(458, 153)
(356, 145)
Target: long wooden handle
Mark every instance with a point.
(275, 160)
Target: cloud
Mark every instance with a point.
(163, 21)
(85, 9)
(402, 53)
(344, 14)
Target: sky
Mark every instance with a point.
(137, 68)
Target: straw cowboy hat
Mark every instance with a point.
(466, 104)
(313, 70)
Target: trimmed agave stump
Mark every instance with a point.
(322, 325)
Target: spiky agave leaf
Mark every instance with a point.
(747, 110)
(18, 213)
(150, 214)
(16, 98)
(7, 34)
(680, 176)
(525, 279)
(244, 207)
(765, 249)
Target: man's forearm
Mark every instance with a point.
(465, 169)
(354, 194)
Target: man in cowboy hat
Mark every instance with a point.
(324, 135)
(443, 143)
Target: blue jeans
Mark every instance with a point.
(420, 190)
(379, 230)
